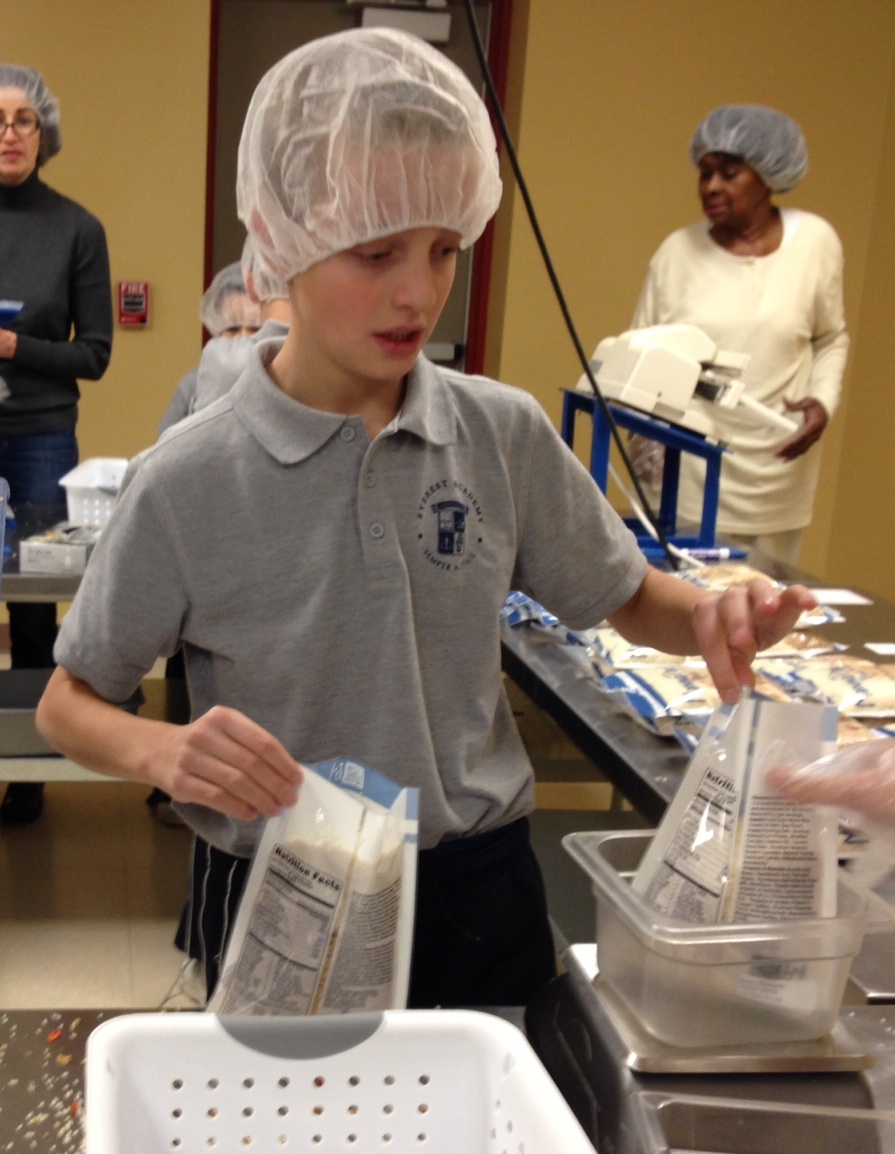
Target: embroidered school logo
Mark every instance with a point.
(450, 519)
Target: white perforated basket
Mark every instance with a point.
(91, 489)
(426, 1081)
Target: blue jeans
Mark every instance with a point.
(32, 465)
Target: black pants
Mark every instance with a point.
(481, 937)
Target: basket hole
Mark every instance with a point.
(212, 1112)
(352, 1138)
(422, 1137)
(386, 1138)
(423, 1108)
(282, 1111)
(212, 1083)
(248, 1083)
(424, 1079)
(177, 1084)
(354, 1080)
(247, 1111)
(247, 1140)
(354, 1110)
(319, 1081)
(318, 1110)
(178, 1113)
(388, 1108)
(283, 1083)
(282, 1139)
(175, 1143)
(389, 1079)
(211, 1141)
(317, 1139)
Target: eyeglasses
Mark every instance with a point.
(24, 124)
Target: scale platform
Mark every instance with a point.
(838, 1051)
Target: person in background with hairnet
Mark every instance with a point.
(228, 312)
(332, 542)
(54, 260)
(762, 280)
(223, 361)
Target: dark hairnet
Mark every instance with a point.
(767, 140)
(44, 103)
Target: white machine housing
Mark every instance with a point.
(678, 373)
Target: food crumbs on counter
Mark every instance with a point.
(54, 1035)
(64, 1059)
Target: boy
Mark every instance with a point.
(331, 543)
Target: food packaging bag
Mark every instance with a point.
(728, 848)
(325, 923)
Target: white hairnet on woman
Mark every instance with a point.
(768, 141)
(44, 103)
(226, 304)
(357, 136)
(261, 285)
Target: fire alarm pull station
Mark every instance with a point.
(133, 303)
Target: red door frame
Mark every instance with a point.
(480, 278)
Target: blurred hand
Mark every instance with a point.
(859, 778)
(815, 420)
(8, 342)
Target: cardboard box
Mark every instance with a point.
(65, 548)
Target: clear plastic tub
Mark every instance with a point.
(91, 489)
(439, 1081)
(695, 1125)
(726, 985)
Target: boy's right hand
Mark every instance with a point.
(227, 762)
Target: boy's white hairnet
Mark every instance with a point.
(261, 285)
(44, 103)
(227, 305)
(359, 135)
(767, 140)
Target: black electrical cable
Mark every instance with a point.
(554, 280)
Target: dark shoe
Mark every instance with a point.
(23, 802)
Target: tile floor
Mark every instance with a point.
(90, 895)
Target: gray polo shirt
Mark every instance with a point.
(345, 593)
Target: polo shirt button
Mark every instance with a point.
(370, 479)
(347, 433)
(377, 530)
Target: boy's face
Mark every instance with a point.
(361, 317)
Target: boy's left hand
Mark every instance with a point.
(733, 626)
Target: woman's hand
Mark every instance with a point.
(815, 421)
(227, 762)
(732, 627)
(8, 342)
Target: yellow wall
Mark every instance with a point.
(604, 96)
(132, 81)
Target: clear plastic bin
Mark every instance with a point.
(438, 1082)
(726, 985)
(696, 1125)
(91, 489)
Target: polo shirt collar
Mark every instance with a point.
(291, 432)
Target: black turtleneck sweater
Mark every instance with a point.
(53, 256)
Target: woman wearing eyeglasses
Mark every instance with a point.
(54, 259)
